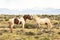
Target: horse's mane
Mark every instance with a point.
(35, 16)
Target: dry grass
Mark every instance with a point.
(30, 33)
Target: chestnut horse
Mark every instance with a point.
(17, 21)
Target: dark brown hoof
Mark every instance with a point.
(11, 31)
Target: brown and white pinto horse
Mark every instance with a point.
(17, 21)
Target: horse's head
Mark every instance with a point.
(27, 17)
(35, 17)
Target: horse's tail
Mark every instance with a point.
(50, 24)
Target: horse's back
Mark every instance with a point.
(43, 20)
(11, 20)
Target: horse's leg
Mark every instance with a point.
(11, 27)
(38, 26)
(23, 25)
(49, 26)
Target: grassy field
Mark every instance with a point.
(30, 32)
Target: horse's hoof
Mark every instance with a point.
(58, 32)
(22, 30)
(11, 32)
(39, 33)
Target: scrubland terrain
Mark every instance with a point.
(30, 32)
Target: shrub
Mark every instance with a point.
(30, 33)
(17, 26)
(44, 38)
(27, 25)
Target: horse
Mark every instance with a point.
(40, 21)
(16, 20)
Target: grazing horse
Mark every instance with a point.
(17, 21)
(40, 21)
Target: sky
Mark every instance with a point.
(21, 5)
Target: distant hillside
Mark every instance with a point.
(49, 11)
